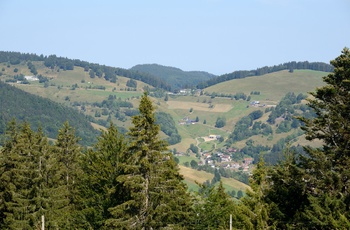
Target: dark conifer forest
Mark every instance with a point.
(41, 112)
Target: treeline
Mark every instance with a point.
(107, 72)
(41, 112)
(320, 66)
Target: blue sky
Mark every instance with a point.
(217, 36)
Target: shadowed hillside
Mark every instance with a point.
(175, 77)
(39, 111)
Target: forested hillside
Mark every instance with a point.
(177, 78)
(38, 111)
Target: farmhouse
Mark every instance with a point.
(187, 121)
(232, 150)
(254, 103)
(185, 91)
(225, 158)
(248, 160)
(31, 78)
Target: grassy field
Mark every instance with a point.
(192, 176)
(272, 86)
(61, 83)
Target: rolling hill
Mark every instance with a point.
(272, 86)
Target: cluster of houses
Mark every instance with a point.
(224, 160)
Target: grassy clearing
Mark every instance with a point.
(64, 80)
(192, 176)
(218, 108)
(188, 159)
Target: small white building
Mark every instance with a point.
(31, 78)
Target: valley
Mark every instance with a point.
(195, 112)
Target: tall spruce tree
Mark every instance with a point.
(155, 195)
(328, 172)
(25, 195)
(311, 191)
(253, 211)
(283, 191)
(213, 208)
(99, 189)
(67, 153)
(7, 166)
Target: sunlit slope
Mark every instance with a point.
(192, 176)
(273, 86)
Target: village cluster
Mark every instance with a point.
(223, 159)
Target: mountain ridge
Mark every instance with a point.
(156, 74)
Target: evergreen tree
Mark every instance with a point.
(254, 210)
(101, 166)
(155, 195)
(67, 154)
(311, 191)
(7, 166)
(286, 192)
(328, 179)
(25, 179)
(213, 208)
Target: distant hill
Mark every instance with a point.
(38, 111)
(291, 66)
(95, 70)
(175, 77)
(272, 86)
